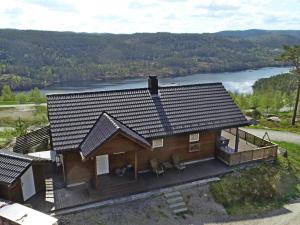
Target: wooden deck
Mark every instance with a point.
(114, 187)
(251, 148)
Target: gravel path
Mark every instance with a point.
(288, 215)
(276, 135)
(203, 210)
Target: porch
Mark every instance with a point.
(242, 147)
(113, 186)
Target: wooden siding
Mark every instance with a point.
(12, 192)
(77, 171)
(120, 160)
(39, 176)
(118, 143)
(268, 152)
(179, 145)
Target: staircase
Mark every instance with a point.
(176, 202)
(49, 190)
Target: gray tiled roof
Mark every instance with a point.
(105, 128)
(28, 141)
(177, 109)
(12, 165)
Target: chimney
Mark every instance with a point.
(153, 85)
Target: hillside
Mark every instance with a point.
(40, 58)
(285, 83)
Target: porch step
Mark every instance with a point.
(173, 200)
(49, 196)
(171, 194)
(180, 210)
(176, 202)
(177, 205)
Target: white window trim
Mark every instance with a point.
(194, 140)
(158, 146)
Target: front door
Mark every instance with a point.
(27, 182)
(102, 164)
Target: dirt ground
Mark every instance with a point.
(151, 211)
(202, 210)
(22, 112)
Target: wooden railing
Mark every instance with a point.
(264, 150)
(257, 141)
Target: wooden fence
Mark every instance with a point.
(265, 150)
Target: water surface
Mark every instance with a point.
(240, 82)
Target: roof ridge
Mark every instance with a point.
(15, 155)
(132, 89)
(110, 119)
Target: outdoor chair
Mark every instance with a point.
(177, 164)
(156, 167)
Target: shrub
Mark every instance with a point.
(254, 186)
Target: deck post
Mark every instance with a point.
(135, 165)
(237, 139)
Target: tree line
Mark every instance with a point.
(40, 58)
(33, 96)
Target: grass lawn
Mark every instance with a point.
(261, 188)
(14, 103)
(281, 126)
(8, 103)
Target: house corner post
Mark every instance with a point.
(135, 165)
(237, 139)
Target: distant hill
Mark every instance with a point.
(40, 58)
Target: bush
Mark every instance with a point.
(252, 185)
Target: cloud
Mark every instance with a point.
(139, 5)
(130, 16)
(171, 16)
(56, 5)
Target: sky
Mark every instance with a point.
(131, 16)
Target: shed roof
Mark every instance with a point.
(20, 214)
(12, 165)
(175, 110)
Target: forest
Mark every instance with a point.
(274, 96)
(31, 59)
(269, 95)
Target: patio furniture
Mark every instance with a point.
(223, 141)
(156, 167)
(121, 171)
(177, 164)
(167, 165)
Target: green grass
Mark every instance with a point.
(14, 103)
(284, 125)
(293, 156)
(261, 188)
(8, 103)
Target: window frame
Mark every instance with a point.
(158, 146)
(194, 140)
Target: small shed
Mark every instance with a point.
(21, 176)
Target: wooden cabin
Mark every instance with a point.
(98, 133)
(21, 176)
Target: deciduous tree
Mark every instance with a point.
(291, 54)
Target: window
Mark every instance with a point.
(156, 143)
(194, 147)
(194, 137)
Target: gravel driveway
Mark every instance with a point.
(202, 210)
(276, 135)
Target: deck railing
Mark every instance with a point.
(265, 150)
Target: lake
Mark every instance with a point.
(240, 82)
